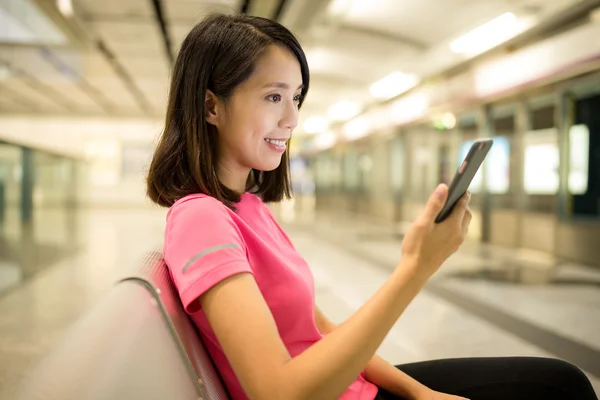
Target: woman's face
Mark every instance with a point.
(255, 125)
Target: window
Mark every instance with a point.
(541, 162)
(579, 141)
(397, 165)
(497, 166)
(350, 170)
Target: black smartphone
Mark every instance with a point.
(464, 175)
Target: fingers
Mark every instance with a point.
(460, 210)
(466, 221)
(435, 203)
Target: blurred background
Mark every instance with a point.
(399, 91)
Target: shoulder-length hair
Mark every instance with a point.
(217, 55)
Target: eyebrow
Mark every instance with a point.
(281, 85)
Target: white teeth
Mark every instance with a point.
(279, 143)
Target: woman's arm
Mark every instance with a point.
(378, 371)
(244, 327)
(246, 330)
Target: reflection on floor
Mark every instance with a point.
(26, 249)
(464, 311)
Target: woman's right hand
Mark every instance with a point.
(427, 244)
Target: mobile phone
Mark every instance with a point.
(464, 175)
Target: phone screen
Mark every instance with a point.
(464, 175)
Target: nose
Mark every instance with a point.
(289, 119)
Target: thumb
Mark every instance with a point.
(436, 202)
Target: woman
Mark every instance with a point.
(237, 86)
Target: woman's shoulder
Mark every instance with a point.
(201, 217)
(197, 205)
(201, 206)
(198, 200)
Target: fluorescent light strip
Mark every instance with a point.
(393, 85)
(488, 35)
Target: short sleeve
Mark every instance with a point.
(203, 246)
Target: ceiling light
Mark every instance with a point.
(449, 121)
(444, 122)
(343, 110)
(393, 85)
(488, 35)
(338, 7)
(315, 125)
(65, 7)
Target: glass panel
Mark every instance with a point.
(320, 178)
(497, 166)
(365, 168)
(54, 180)
(424, 163)
(397, 165)
(28, 245)
(586, 134)
(579, 138)
(11, 174)
(302, 182)
(335, 170)
(541, 179)
(351, 177)
(541, 162)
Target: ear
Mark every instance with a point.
(212, 108)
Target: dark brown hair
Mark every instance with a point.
(217, 55)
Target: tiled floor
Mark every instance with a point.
(350, 260)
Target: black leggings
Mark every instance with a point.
(510, 378)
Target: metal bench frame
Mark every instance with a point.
(137, 342)
(153, 274)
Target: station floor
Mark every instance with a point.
(483, 301)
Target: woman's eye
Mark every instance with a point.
(275, 98)
(298, 98)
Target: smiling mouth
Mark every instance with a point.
(278, 143)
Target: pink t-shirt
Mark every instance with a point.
(206, 242)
